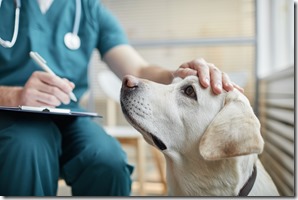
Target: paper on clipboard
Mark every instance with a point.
(49, 110)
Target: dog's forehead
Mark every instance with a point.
(177, 80)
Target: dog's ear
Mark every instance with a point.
(234, 131)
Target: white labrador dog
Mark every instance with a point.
(210, 142)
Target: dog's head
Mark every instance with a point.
(179, 117)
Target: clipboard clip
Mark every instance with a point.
(49, 111)
(45, 109)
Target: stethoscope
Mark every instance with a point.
(71, 39)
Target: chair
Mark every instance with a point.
(127, 135)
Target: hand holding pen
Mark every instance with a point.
(45, 88)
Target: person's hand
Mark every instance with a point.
(44, 89)
(208, 74)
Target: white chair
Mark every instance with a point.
(127, 135)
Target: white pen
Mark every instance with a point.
(42, 63)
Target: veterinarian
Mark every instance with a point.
(36, 150)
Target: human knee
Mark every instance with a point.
(112, 160)
(117, 165)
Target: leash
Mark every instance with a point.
(249, 184)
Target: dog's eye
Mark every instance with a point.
(189, 91)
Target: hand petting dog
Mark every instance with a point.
(207, 72)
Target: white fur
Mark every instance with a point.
(212, 141)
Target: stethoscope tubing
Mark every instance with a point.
(10, 44)
(77, 17)
(6, 43)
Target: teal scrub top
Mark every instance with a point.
(44, 33)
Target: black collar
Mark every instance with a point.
(249, 184)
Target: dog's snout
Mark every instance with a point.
(130, 81)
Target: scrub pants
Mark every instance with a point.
(37, 149)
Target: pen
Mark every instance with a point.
(42, 63)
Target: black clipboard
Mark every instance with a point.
(49, 111)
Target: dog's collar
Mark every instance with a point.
(249, 184)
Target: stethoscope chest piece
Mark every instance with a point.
(72, 41)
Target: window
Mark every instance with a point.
(275, 35)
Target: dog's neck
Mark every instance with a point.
(197, 177)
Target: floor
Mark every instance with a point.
(153, 186)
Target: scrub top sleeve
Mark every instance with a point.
(111, 32)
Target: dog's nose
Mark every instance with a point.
(130, 81)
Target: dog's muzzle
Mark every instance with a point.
(130, 87)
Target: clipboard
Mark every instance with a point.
(49, 111)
